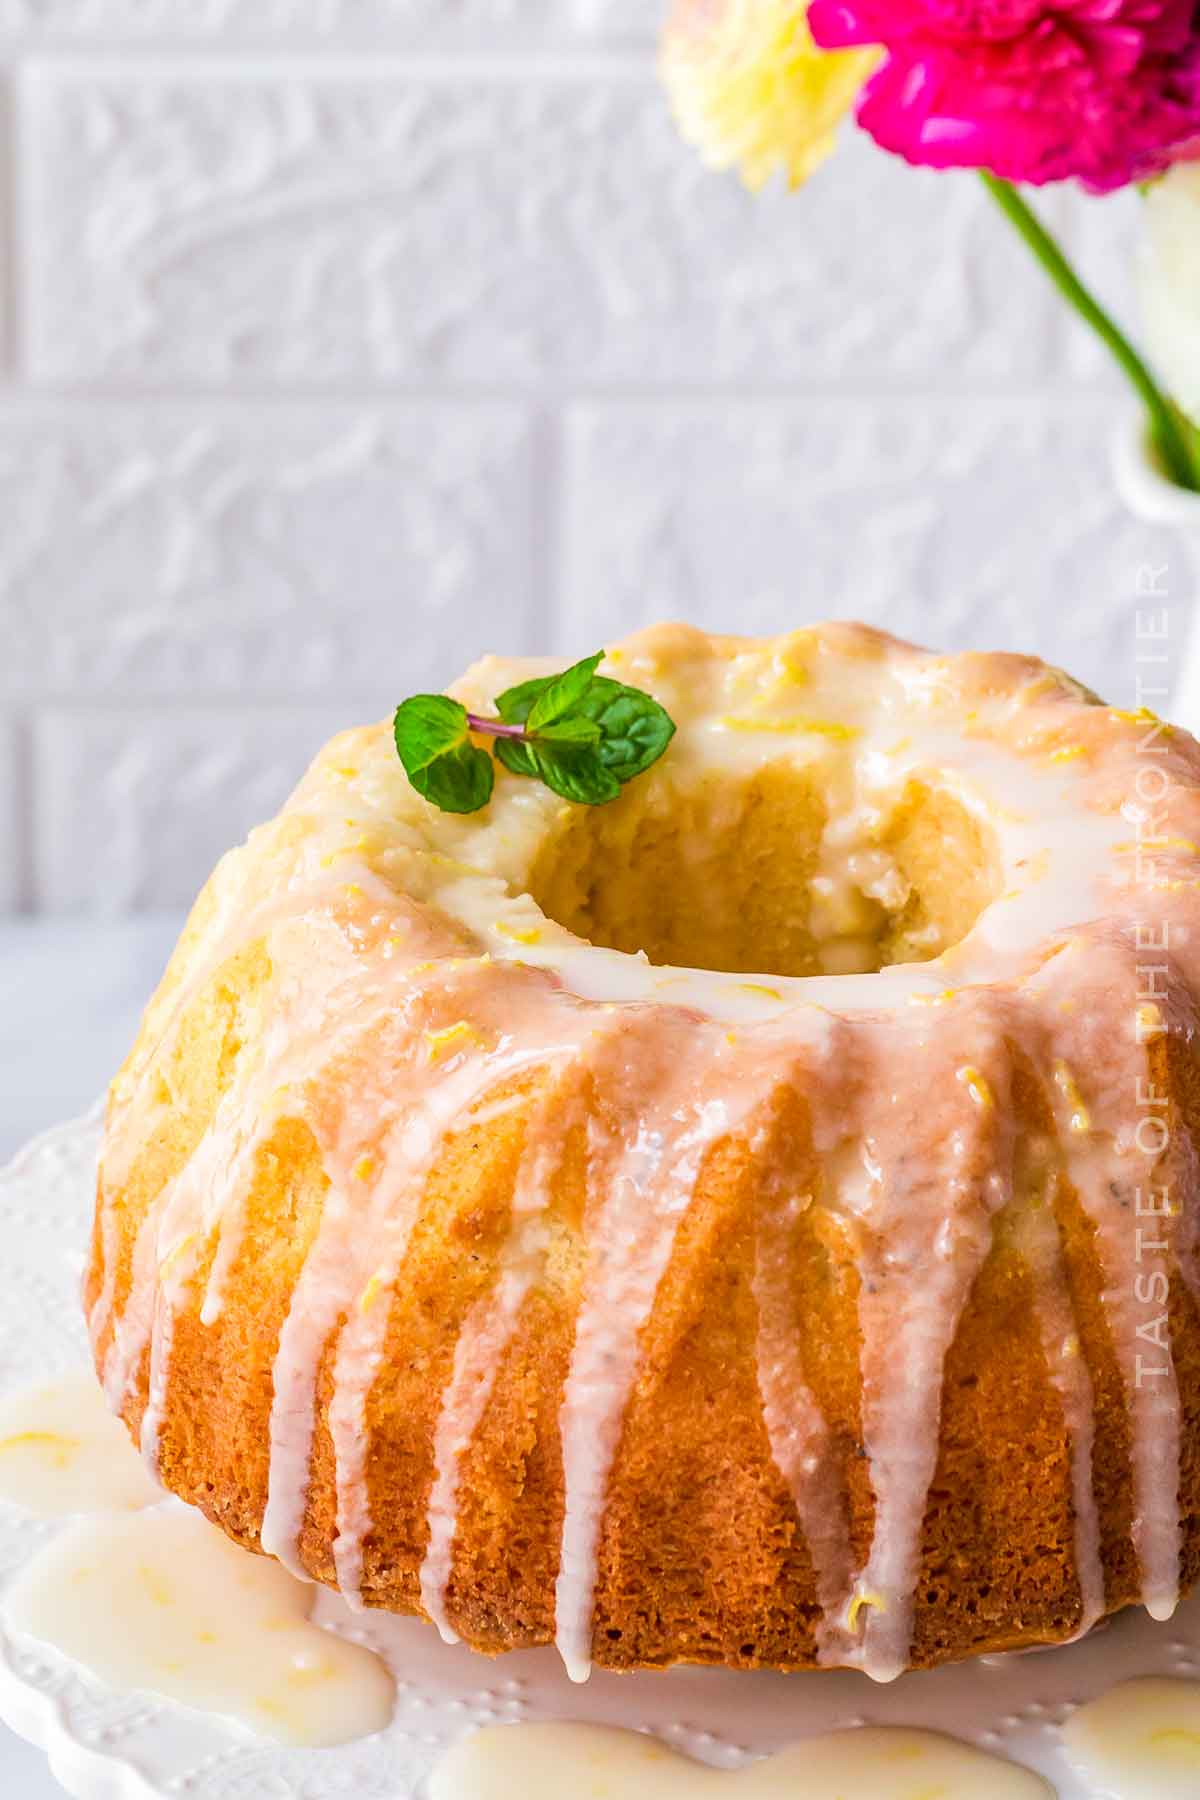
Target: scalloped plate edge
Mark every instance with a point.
(87, 1774)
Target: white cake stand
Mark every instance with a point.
(106, 1745)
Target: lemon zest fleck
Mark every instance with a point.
(792, 669)
(371, 1292)
(875, 1602)
(1175, 1734)
(155, 1584)
(311, 1677)
(56, 1441)
(177, 1250)
(760, 987)
(363, 846)
(364, 1168)
(1153, 846)
(518, 934)
(441, 1043)
(976, 1085)
(441, 861)
(1068, 1087)
(1140, 715)
(830, 728)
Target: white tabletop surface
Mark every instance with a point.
(71, 992)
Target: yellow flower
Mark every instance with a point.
(750, 88)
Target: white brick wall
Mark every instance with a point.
(220, 549)
(404, 24)
(11, 821)
(992, 524)
(347, 338)
(132, 803)
(227, 226)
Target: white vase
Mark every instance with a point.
(1169, 280)
(1169, 271)
(1144, 488)
(1150, 496)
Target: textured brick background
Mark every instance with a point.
(345, 338)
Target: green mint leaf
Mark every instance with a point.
(573, 730)
(514, 703)
(440, 760)
(562, 695)
(635, 729)
(577, 773)
(547, 698)
(427, 726)
(573, 771)
(517, 755)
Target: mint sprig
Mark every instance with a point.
(583, 735)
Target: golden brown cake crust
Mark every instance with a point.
(701, 1551)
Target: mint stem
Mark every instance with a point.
(494, 727)
(1169, 436)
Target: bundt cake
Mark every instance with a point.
(751, 1222)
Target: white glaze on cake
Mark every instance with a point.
(644, 1159)
(413, 974)
(490, 1324)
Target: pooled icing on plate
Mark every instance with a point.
(545, 1762)
(164, 1601)
(148, 1595)
(1140, 1740)
(62, 1451)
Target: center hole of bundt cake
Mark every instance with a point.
(768, 874)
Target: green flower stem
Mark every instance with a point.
(1170, 435)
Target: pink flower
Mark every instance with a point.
(1102, 91)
